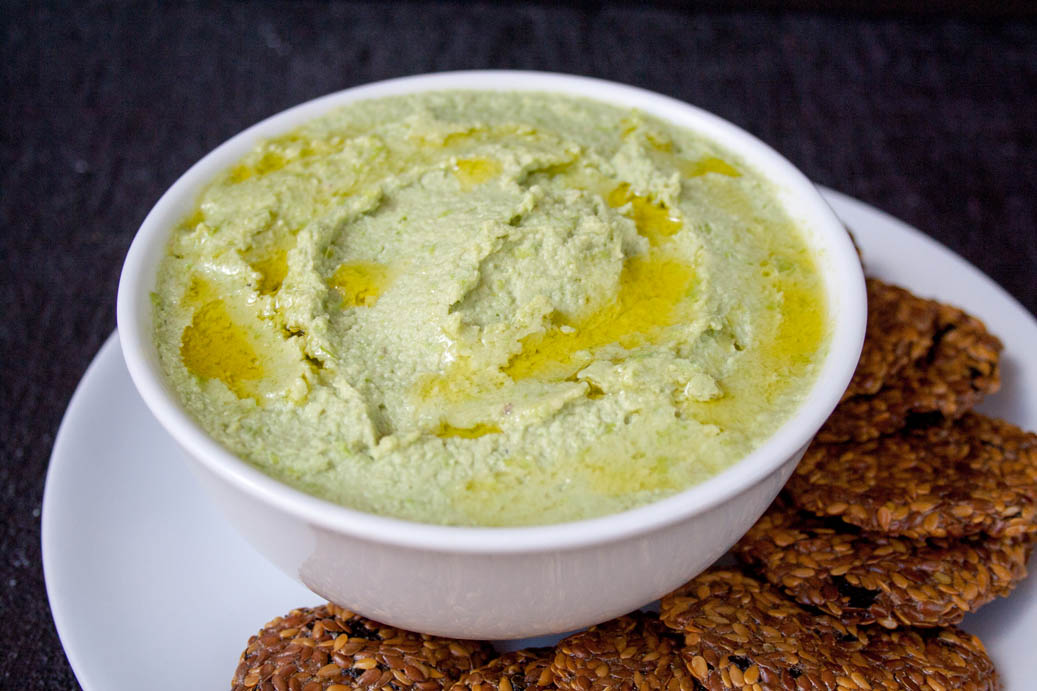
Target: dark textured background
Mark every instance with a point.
(931, 118)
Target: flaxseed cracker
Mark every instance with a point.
(742, 633)
(933, 659)
(328, 648)
(961, 366)
(521, 670)
(630, 652)
(900, 330)
(973, 475)
(866, 578)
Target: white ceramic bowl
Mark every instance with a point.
(497, 582)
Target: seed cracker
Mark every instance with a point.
(742, 633)
(901, 327)
(959, 367)
(974, 475)
(929, 659)
(521, 670)
(866, 578)
(631, 652)
(328, 648)
(735, 626)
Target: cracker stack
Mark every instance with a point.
(909, 510)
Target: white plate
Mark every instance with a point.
(140, 569)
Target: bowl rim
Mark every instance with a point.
(832, 246)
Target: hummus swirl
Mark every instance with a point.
(489, 308)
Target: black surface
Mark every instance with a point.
(930, 119)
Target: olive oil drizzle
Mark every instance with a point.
(360, 283)
(709, 164)
(213, 346)
(654, 221)
(651, 287)
(472, 172)
(479, 430)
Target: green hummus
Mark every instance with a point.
(486, 308)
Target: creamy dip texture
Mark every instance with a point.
(489, 308)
